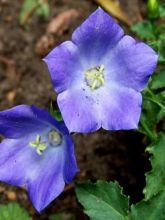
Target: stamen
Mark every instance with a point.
(95, 77)
(53, 139)
(40, 146)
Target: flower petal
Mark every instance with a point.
(97, 35)
(15, 158)
(23, 120)
(78, 110)
(46, 180)
(130, 63)
(70, 165)
(64, 66)
(120, 108)
(20, 164)
(44, 175)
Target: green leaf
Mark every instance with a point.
(161, 96)
(153, 110)
(13, 211)
(162, 35)
(148, 118)
(153, 209)
(155, 179)
(26, 10)
(55, 113)
(161, 52)
(144, 30)
(62, 216)
(162, 10)
(158, 80)
(29, 7)
(103, 200)
(43, 10)
(56, 217)
(153, 9)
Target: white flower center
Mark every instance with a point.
(94, 77)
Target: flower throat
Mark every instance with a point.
(94, 77)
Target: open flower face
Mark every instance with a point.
(99, 76)
(38, 153)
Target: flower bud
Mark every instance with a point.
(153, 9)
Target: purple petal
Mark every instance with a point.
(64, 66)
(97, 35)
(78, 110)
(120, 108)
(112, 107)
(70, 165)
(23, 120)
(15, 159)
(43, 175)
(130, 63)
(46, 181)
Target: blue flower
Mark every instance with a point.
(38, 153)
(99, 76)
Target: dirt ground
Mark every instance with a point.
(24, 79)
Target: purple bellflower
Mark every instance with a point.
(99, 76)
(38, 153)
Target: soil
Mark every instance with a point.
(24, 79)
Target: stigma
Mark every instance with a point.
(55, 138)
(94, 77)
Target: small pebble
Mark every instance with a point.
(11, 195)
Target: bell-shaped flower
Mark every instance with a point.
(99, 76)
(38, 153)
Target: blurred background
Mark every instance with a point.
(28, 31)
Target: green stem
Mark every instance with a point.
(152, 136)
(156, 102)
(154, 99)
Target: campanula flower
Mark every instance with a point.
(38, 153)
(99, 76)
